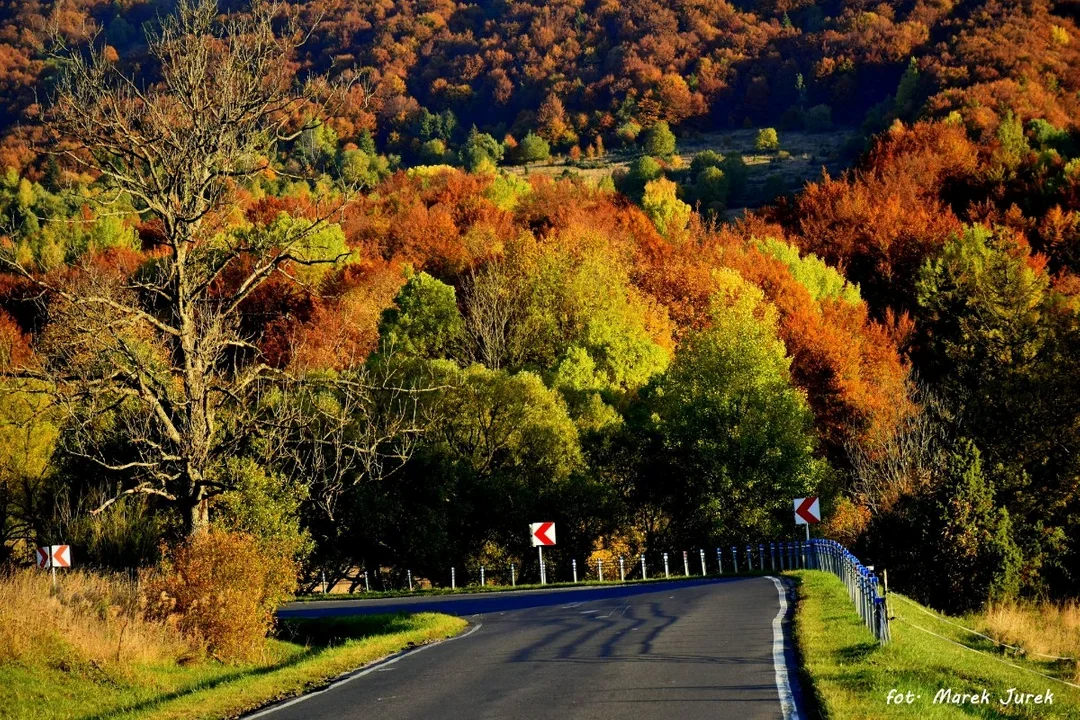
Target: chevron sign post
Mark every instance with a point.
(807, 511)
(541, 534)
(52, 557)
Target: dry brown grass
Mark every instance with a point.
(91, 618)
(1037, 628)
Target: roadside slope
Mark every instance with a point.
(850, 677)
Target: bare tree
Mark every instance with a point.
(155, 360)
(909, 459)
(493, 305)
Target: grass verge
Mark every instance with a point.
(305, 655)
(848, 676)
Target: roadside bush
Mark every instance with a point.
(220, 590)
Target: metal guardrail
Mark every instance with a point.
(862, 584)
(816, 554)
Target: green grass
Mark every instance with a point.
(306, 654)
(847, 675)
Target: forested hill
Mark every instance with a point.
(481, 275)
(573, 71)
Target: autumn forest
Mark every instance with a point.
(373, 285)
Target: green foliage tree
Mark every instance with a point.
(822, 280)
(659, 140)
(908, 94)
(818, 119)
(424, 321)
(533, 148)
(767, 140)
(361, 170)
(266, 506)
(1001, 345)
(481, 152)
(664, 208)
(433, 152)
(711, 189)
(736, 434)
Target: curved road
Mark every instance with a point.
(689, 649)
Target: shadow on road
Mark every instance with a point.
(463, 605)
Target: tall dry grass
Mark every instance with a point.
(1047, 629)
(91, 618)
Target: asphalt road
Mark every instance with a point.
(693, 649)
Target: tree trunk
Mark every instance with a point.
(198, 518)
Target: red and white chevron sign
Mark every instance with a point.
(54, 556)
(542, 533)
(807, 511)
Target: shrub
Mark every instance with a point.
(220, 591)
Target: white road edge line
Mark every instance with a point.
(783, 683)
(378, 665)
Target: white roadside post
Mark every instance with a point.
(600, 569)
(685, 564)
(622, 570)
(666, 573)
(453, 578)
(702, 553)
(367, 585)
(735, 559)
(719, 562)
(643, 575)
(482, 583)
(513, 580)
(409, 573)
(573, 564)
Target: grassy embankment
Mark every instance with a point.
(849, 677)
(85, 652)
